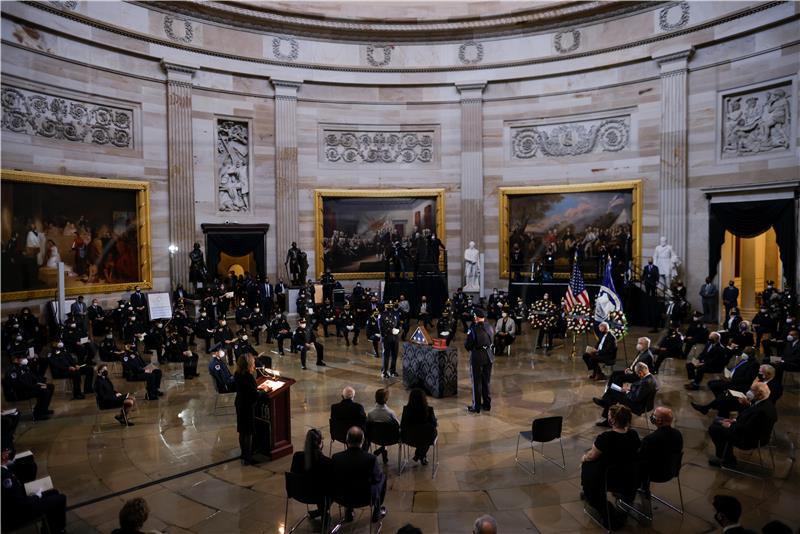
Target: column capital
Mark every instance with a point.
(286, 88)
(471, 90)
(178, 72)
(673, 59)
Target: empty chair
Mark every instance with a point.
(543, 430)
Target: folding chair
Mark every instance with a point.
(764, 441)
(385, 435)
(339, 431)
(419, 435)
(662, 473)
(301, 488)
(543, 430)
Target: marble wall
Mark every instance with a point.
(646, 81)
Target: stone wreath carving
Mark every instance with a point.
(462, 53)
(663, 15)
(572, 139)
(65, 4)
(757, 122)
(378, 147)
(387, 55)
(233, 165)
(559, 46)
(293, 52)
(54, 117)
(188, 32)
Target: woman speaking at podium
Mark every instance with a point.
(246, 397)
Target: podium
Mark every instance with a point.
(272, 435)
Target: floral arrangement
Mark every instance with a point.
(543, 314)
(579, 319)
(617, 324)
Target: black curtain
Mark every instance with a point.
(235, 244)
(749, 219)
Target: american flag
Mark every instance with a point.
(576, 292)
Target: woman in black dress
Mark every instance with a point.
(311, 461)
(108, 397)
(417, 412)
(246, 397)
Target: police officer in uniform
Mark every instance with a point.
(178, 351)
(389, 328)
(224, 335)
(303, 339)
(135, 369)
(279, 327)
(327, 317)
(346, 323)
(182, 324)
(479, 343)
(155, 339)
(243, 313)
(64, 365)
(219, 371)
(108, 349)
(241, 345)
(204, 329)
(258, 322)
(21, 384)
(373, 332)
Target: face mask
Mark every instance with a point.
(104, 373)
(202, 315)
(60, 346)
(224, 323)
(789, 338)
(743, 327)
(72, 325)
(19, 338)
(761, 377)
(763, 310)
(257, 310)
(750, 396)
(505, 315)
(244, 338)
(788, 321)
(639, 347)
(110, 336)
(159, 325)
(653, 419)
(24, 361)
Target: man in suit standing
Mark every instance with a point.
(634, 396)
(354, 473)
(709, 294)
(79, 313)
(266, 292)
(139, 304)
(753, 426)
(479, 343)
(650, 278)
(730, 298)
(628, 375)
(280, 295)
(712, 360)
(604, 352)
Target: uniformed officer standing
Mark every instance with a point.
(479, 343)
(204, 329)
(223, 334)
(373, 332)
(389, 329)
(220, 373)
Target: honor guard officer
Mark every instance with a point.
(389, 329)
(446, 327)
(182, 324)
(178, 351)
(108, 349)
(304, 339)
(346, 323)
(362, 313)
(64, 365)
(21, 384)
(241, 345)
(327, 317)
(135, 369)
(479, 343)
(204, 329)
(258, 324)
(279, 327)
(243, 313)
(223, 334)
(373, 332)
(219, 371)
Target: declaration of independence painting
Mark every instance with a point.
(545, 228)
(357, 228)
(98, 228)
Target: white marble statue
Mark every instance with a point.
(666, 260)
(472, 269)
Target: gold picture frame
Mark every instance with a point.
(506, 194)
(141, 204)
(320, 195)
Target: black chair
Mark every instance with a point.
(660, 473)
(339, 430)
(419, 435)
(219, 394)
(10, 395)
(543, 430)
(649, 406)
(354, 500)
(101, 409)
(301, 488)
(385, 435)
(764, 441)
(622, 481)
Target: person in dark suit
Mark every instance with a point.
(650, 279)
(389, 330)
(20, 383)
(696, 334)
(730, 298)
(727, 511)
(135, 369)
(670, 346)
(659, 445)
(605, 351)
(790, 357)
(742, 374)
(138, 302)
(417, 412)
(481, 359)
(246, 398)
(713, 359)
(348, 410)
(313, 463)
(725, 403)
(355, 472)
(634, 396)
(219, 371)
(108, 397)
(628, 375)
(752, 426)
(64, 365)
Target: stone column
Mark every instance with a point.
(674, 155)
(181, 169)
(287, 223)
(471, 165)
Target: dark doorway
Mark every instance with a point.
(236, 240)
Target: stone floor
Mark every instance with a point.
(178, 454)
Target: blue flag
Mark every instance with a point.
(607, 298)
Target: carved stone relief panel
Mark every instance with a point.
(62, 118)
(285, 48)
(673, 17)
(233, 165)
(399, 145)
(756, 120)
(379, 55)
(574, 138)
(566, 42)
(178, 29)
(470, 53)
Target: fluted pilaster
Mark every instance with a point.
(181, 170)
(287, 222)
(472, 163)
(674, 148)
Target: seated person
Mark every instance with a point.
(303, 340)
(424, 314)
(697, 334)
(132, 517)
(312, 462)
(280, 330)
(219, 371)
(505, 331)
(752, 426)
(658, 446)
(418, 412)
(348, 411)
(762, 324)
(26, 508)
(156, 339)
(790, 357)
(628, 375)
(21, 384)
(727, 511)
(109, 398)
(64, 365)
(740, 339)
(634, 396)
(381, 413)
(135, 369)
(615, 448)
(777, 343)
(713, 359)
(742, 374)
(109, 352)
(725, 403)
(604, 352)
(355, 472)
(241, 345)
(668, 347)
(178, 351)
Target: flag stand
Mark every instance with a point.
(573, 345)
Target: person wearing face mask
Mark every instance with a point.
(177, 350)
(155, 339)
(762, 324)
(327, 317)
(182, 325)
(374, 333)
(97, 319)
(670, 346)
(389, 329)
(628, 375)
(634, 396)
(79, 312)
(109, 352)
(241, 345)
(776, 343)
(139, 303)
(223, 334)
(604, 352)
(258, 324)
(709, 296)
(696, 334)
(446, 327)
(220, 372)
(491, 311)
(731, 326)
(304, 339)
(135, 369)
(281, 331)
(752, 426)
(243, 313)
(743, 375)
(467, 314)
(77, 341)
(425, 314)
(346, 323)
(730, 298)
(109, 398)
(790, 357)
(204, 329)
(658, 447)
(713, 359)
(64, 365)
(20, 383)
(505, 332)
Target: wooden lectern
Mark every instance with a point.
(273, 419)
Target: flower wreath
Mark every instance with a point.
(617, 324)
(543, 314)
(579, 319)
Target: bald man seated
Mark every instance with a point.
(658, 446)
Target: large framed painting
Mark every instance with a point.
(99, 228)
(356, 227)
(553, 225)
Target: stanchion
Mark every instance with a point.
(573, 345)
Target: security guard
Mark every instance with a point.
(108, 349)
(258, 323)
(467, 312)
(327, 317)
(362, 312)
(279, 327)
(204, 329)
(155, 339)
(346, 323)
(303, 339)
(389, 329)
(243, 313)
(135, 369)
(178, 351)
(73, 336)
(241, 345)
(479, 343)
(64, 365)
(223, 334)
(183, 325)
(373, 332)
(21, 384)
(219, 371)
